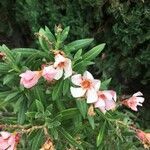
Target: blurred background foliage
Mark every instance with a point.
(124, 25)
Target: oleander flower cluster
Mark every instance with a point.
(84, 86)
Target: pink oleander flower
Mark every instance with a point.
(49, 73)
(8, 141)
(30, 78)
(106, 100)
(87, 86)
(144, 138)
(134, 101)
(62, 65)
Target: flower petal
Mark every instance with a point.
(59, 73)
(88, 75)
(140, 99)
(68, 68)
(5, 135)
(138, 94)
(99, 103)
(96, 84)
(58, 59)
(110, 105)
(77, 92)
(76, 79)
(92, 96)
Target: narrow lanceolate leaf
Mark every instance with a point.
(39, 106)
(104, 84)
(66, 86)
(38, 140)
(69, 113)
(49, 34)
(78, 44)
(70, 139)
(77, 55)
(90, 55)
(57, 91)
(4, 68)
(64, 34)
(82, 106)
(8, 78)
(22, 110)
(10, 96)
(101, 134)
(91, 121)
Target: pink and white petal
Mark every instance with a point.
(59, 73)
(134, 108)
(99, 103)
(96, 84)
(4, 145)
(108, 94)
(88, 75)
(138, 94)
(92, 96)
(76, 79)
(5, 135)
(114, 95)
(77, 92)
(58, 59)
(68, 68)
(110, 105)
(102, 109)
(140, 99)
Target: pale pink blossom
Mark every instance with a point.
(8, 141)
(62, 65)
(144, 138)
(87, 86)
(106, 100)
(134, 101)
(49, 73)
(29, 78)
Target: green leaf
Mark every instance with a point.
(26, 52)
(64, 34)
(69, 113)
(37, 140)
(70, 139)
(57, 91)
(82, 106)
(104, 84)
(22, 110)
(101, 134)
(78, 56)
(8, 78)
(90, 55)
(78, 44)
(49, 34)
(4, 68)
(39, 106)
(91, 121)
(42, 40)
(11, 96)
(8, 53)
(66, 86)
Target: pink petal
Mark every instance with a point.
(96, 84)
(88, 75)
(76, 79)
(138, 94)
(140, 99)
(77, 92)
(5, 135)
(110, 105)
(49, 73)
(58, 59)
(59, 73)
(67, 68)
(92, 96)
(99, 103)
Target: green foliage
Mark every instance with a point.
(49, 110)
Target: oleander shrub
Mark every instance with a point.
(49, 100)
